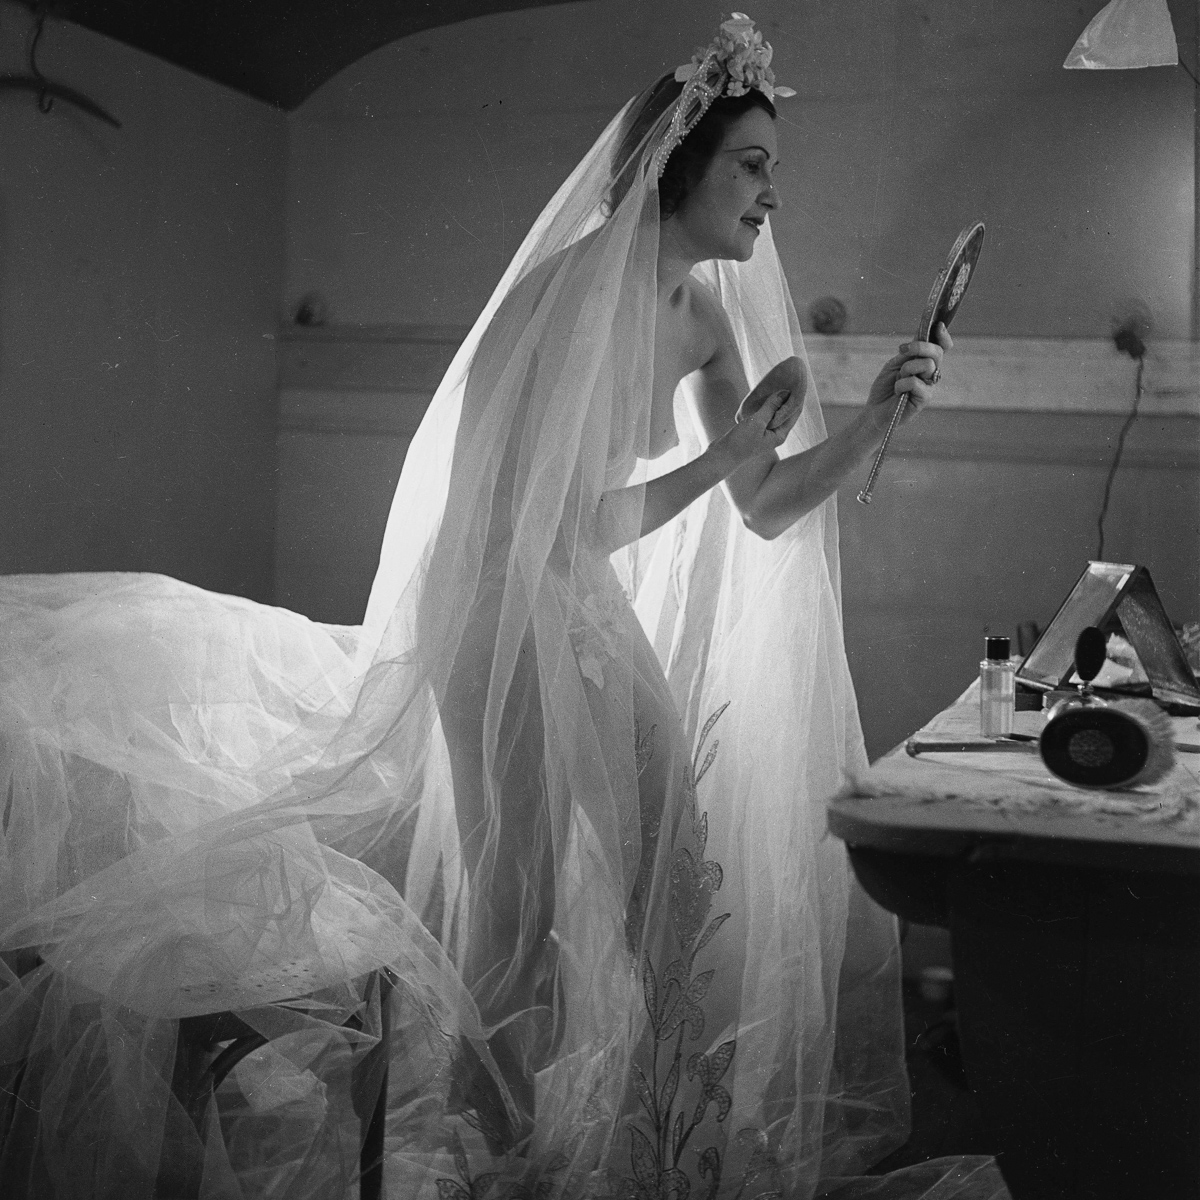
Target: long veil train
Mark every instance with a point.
(584, 840)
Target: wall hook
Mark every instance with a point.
(47, 91)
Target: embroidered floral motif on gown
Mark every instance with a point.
(572, 803)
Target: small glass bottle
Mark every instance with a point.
(997, 689)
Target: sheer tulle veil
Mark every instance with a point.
(570, 801)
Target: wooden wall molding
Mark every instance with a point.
(392, 413)
(1023, 374)
(1068, 438)
(367, 358)
(1002, 400)
(986, 374)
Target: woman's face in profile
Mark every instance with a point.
(722, 215)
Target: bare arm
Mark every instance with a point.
(772, 493)
(665, 497)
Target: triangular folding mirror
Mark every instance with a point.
(1125, 593)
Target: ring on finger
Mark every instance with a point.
(936, 376)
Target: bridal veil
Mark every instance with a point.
(570, 803)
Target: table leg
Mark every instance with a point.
(1078, 993)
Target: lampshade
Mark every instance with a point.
(1124, 34)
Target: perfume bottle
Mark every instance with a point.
(997, 689)
(1095, 744)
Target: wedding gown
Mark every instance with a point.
(571, 801)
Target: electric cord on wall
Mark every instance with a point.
(1132, 345)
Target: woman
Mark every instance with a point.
(625, 963)
(714, 196)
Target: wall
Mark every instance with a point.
(413, 174)
(140, 275)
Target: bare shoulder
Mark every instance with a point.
(700, 343)
(712, 329)
(721, 375)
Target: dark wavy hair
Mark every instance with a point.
(689, 160)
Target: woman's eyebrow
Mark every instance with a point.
(753, 146)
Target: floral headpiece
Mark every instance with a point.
(735, 61)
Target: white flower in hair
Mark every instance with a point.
(735, 61)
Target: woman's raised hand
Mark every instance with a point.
(913, 372)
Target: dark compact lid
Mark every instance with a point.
(1095, 747)
(997, 648)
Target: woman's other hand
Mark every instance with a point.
(787, 376)
(761, 431)
(913, 372)
(766, 416)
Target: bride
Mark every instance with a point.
(564, 786)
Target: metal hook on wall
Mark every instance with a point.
(45, 101)
(47, 91)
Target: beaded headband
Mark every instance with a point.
(735, 61)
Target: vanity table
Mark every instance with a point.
(1074, 918)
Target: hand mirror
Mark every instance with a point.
(945, 296)
(950, 286)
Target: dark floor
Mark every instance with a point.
(945, 1117)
